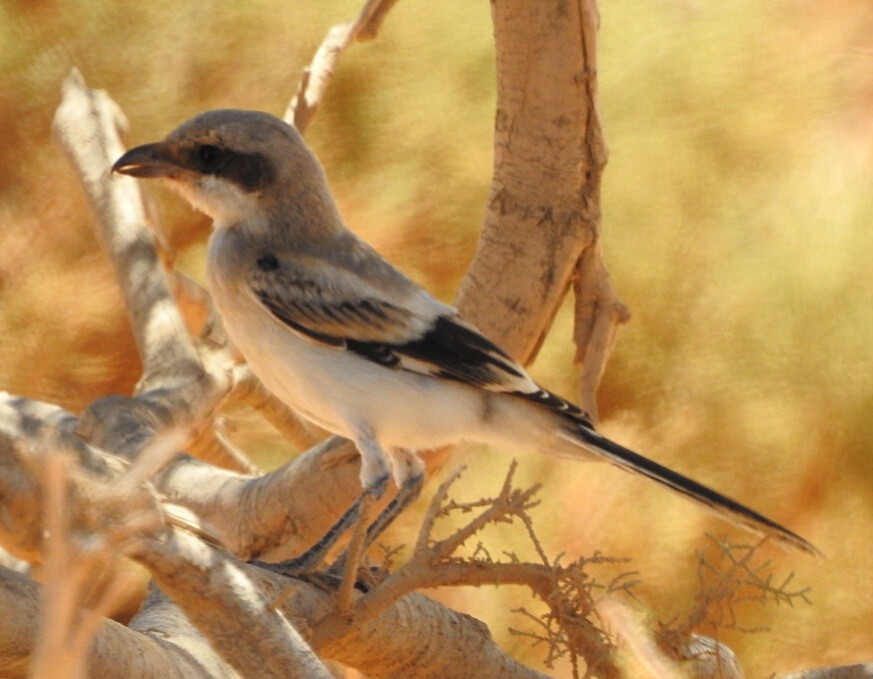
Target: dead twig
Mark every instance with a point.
(598, 313)
(317, 76)
(727, 581)
(571, 625)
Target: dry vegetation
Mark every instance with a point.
(736, 205)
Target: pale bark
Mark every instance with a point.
(118, 652)
(242, 611)
(543, 211)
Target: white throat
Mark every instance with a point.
(219, 198)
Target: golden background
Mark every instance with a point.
(737, 225)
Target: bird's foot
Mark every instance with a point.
(312, 559)
(347, 563)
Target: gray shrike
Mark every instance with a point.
(344, 338)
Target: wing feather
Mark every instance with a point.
(415, 333)
(329, 311)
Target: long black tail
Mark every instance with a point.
(580, 433)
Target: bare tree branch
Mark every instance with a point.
(542, 224)
(208, 582)
(86, 124)
(599, 312)
(171, 649)
(231, 603)
(222, 600)
(317, 76)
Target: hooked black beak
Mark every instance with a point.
(148, 160)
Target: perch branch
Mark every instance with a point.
(396, 644)
(226, 602)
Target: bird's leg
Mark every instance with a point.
(312, 558)
(374, 477)
(410, 472)
(348, 563)
(408, 493)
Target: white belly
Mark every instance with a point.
(341, 391)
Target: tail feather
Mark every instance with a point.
(580, 433)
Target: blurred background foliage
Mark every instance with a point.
(737, 209)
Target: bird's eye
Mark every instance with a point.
(208, 154)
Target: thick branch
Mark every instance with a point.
(231, 604)
(176, 652)
(396, 644)
(543, 213)
(227, 602)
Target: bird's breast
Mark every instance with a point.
(337, 389)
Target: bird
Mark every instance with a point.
(351, 343)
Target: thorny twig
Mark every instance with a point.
(732, 578)
(571, 626)
(725, 582)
